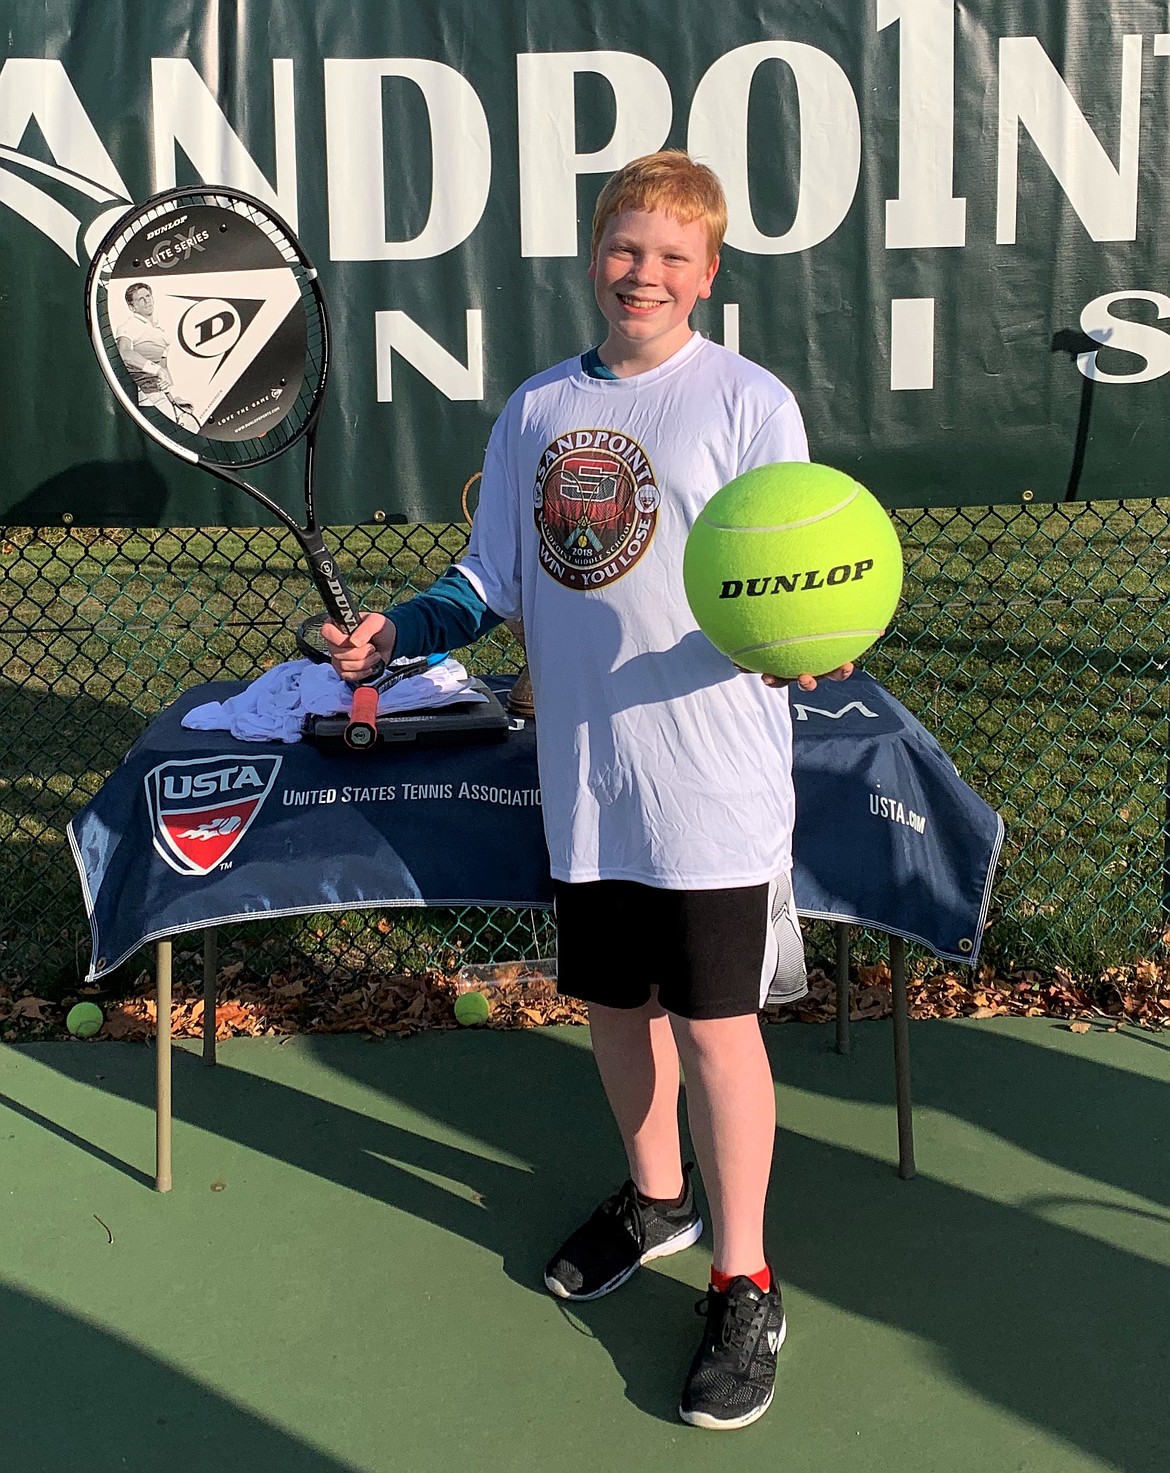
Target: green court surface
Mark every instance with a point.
(347, 1275)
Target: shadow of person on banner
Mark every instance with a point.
(94, 493)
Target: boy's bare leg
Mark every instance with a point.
(731, 1106)
(638, 1063)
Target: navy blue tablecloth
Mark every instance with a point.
(196, 829)
(888, 835)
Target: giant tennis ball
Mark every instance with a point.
(84, 1019)
(793, 569)
(471, 1009)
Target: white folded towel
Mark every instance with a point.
(273, 707)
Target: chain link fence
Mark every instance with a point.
(1032, 641)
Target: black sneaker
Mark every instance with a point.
(621, 1235)
(733, 1375)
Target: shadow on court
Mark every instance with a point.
(1070, 1108)
(1020, 1299)
(79, 1398)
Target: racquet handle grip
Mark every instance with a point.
(340, 604)
(362, 731)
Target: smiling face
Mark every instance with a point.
(648, 274)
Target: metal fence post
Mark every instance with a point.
(162, 1065)
(842, 977)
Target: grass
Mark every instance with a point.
(1032, 642)
(100, 632)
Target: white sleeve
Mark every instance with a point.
(492, 562)
(780, 437)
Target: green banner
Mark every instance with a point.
(943, 228)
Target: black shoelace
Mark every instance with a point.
(623, 1211)
(732, 1335)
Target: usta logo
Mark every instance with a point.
(201, 809)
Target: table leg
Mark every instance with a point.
(210, 973)
(906, 1168)
(843, 933)
(162, 1065)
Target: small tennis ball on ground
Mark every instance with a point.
(793, 569)
(471, 1009)
(84, 1019)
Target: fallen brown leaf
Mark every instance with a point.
(29, 1007)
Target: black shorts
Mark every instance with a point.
(710, 953)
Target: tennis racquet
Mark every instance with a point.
(214, 285)
(183, 413)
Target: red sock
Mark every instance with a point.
(722, 1282)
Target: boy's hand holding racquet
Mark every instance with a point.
(356, 656)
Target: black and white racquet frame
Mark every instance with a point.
(209, 325)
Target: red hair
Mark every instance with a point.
(670, 181)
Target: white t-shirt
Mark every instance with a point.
(148, 348)
(659, 762)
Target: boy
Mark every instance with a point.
(665, 772)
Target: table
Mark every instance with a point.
(195, 829)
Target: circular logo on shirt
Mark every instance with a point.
(596, 506)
